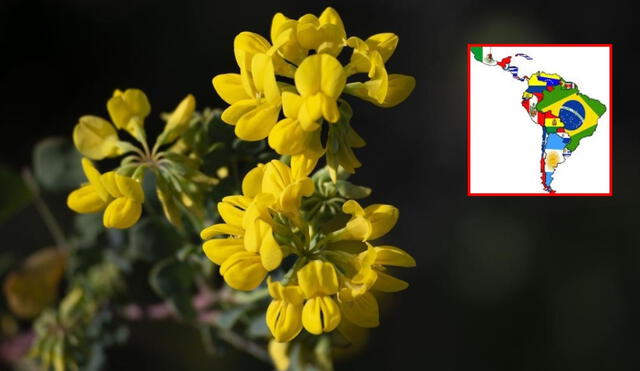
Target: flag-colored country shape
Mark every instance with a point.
(575, 112)
(484, 55)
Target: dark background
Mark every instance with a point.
(509, 283)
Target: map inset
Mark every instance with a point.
(566, 115)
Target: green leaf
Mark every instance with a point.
(229, 317)
(171, 280)
(153, 238)
(56, 164)
(352, 191)
(258, 327)
(15, 194)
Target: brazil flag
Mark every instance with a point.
(578, 112)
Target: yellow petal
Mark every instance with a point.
(246, 45)
(291, 197)
(121, 213)
(291, 50)
(277, 22)
(390, 255)
(130, 187)
(287, 137)
(239, 201)
(387, 283)
(308, 34)
(332, 76)
(264, 78)
(400, 87)
(382, 218)
(243, 270)
(290, 293)
(257, 123)
(277, 176)
(320, 314)
(310, 112)
(284, 320)
(320, 72)
(230, 214)
(234, 112)
(96, 138)
(229, 87)
(252, 182)
(278, 352)
(384, 43)
(330, 109)
(318, 278)
(362, 310)
(93, 175)
(220, 229)
(218, 250)
(302, 166)
(123, 107)
(259, 238)
(179, 120)
(308, 75)
(85, 200)
(137, 101)
(331, 16)
(291, 103)
(108, 180)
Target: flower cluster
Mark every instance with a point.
(119, 192)
(332, 274)
(306, 50)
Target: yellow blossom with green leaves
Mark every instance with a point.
(179, 183)
(306, 50)
(333, 273)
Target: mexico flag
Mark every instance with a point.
(483, 54)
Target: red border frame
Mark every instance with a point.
(610, 193)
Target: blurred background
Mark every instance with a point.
(507, 283)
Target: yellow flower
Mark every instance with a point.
(318, 281)
(356, 301)
(179, 119)
(369, 223)
(320, 80)
(251, 249)
(128, 110)
(96, 138)
(284, 314)
(254, 98)
(248, 44)
(370, 57)
(325, 34)
(121, 197)
(289, 137)
(291, 50)
(370, 272)
(287, 185)
(362, 310)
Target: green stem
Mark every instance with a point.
(44, 211)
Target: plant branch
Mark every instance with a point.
(44, 211)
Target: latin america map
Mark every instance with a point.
(566, 116)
